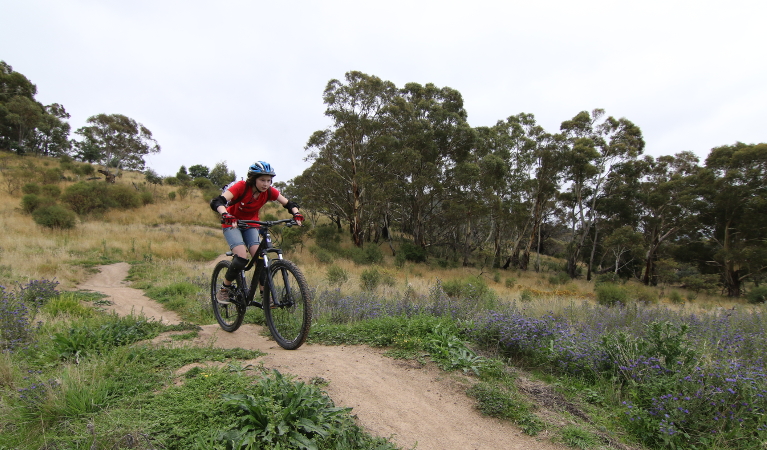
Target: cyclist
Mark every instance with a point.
(251, 195)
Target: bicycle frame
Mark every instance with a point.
(265, 247)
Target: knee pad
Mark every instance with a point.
(237, 265)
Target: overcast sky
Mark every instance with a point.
(239, 81)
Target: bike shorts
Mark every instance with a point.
(248, 237)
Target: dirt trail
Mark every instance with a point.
(416, 406)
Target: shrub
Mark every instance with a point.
(472, 288)
(510, 282)
(51, 176)
(51, 190)
(559, 278)
(172, 181)
(336, 275)
(55, 216)
(172, 195)
(30, 202)
(86, 197)
(675, 297)
(31, 188)
(203, 183)
(369, 254)
(643, 294)
(607, 277)
(370, 279)
(609, 294)
(123, 196)
(412, 252)
(327, 237)
(147, 198)
(757, 294)
(84, 169)
(399, 260)
(323, 256)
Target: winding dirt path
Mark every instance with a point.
(416, 406)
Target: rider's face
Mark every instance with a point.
(263, 182)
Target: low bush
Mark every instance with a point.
(31, 188)
(327, 237)
(336, 276)
(609, 294)
(369, 254)
(757, 294)
(147, 198)
(55, 216)
(51, 191)
(471, 288)
(123, 196)
(31, 202)
(412, 252)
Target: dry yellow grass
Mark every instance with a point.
(167, 230)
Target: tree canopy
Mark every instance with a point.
(116, 141)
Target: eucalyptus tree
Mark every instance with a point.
(547, 168)
(430, 136)
(25, 124)
(352, 149)
(669, 201)
(51, 136)
(736, 193)
(595, 147)
(116, 141)
(517, 158)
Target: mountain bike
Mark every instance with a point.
(284, 294)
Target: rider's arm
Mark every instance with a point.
(218, 204)
(292, 207)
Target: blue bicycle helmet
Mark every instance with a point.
(259, 168)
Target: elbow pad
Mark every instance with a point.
(216, 202)
(290, 205)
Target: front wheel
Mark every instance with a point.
(229, 316)
(287, 305)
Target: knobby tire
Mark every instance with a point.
(229, 317)
(290, 319)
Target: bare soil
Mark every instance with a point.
(416, 405)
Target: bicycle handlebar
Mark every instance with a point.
(267, 224)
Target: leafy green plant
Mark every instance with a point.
(283, 414)
(451, 353)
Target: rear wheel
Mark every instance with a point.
(288, 305)
(229, 316)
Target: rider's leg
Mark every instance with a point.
(253, 250)
(239, 261)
